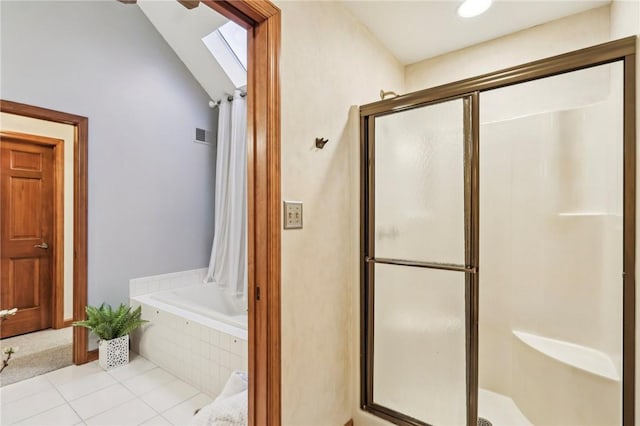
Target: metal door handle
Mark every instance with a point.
(42, 246)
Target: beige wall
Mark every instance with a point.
(329, 63)
(65, 132)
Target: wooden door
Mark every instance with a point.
(26, 225)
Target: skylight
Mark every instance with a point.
(228, 45)
(236, 37)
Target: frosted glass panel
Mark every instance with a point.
(419, 178)
(419, 346)
(551, 240)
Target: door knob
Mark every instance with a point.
(42, 246)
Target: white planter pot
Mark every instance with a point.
(113, 353)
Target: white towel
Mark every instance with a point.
(237, 382)
(230, 408)
(230, 411)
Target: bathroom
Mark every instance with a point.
(320, 294)
(152, 157)
(340, 302)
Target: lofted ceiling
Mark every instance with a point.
(183, 30)
(416, 30)
(411, 30)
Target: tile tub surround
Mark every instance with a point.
(138, 393)
(152, 284)
(188, 345)
(199, 350)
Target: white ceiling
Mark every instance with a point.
(416, 30)
(412, 30)
(183, 30)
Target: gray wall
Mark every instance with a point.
(150, 187)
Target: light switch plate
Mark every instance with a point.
(292, 214)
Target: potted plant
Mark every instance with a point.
(113, 328)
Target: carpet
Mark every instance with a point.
(37, 353)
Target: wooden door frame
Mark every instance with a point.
(80, 142)
(262, 20)
(57, 230)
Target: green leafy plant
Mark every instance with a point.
(107, 323)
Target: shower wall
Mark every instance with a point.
(551, 240)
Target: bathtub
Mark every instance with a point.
(208, 300)
(200, 343)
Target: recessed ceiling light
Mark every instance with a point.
(471, 8)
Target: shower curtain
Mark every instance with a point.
(228, 263)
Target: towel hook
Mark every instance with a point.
(321, 142)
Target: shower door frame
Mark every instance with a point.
(623, 50)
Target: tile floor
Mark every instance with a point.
(139, 393)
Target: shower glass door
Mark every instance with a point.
(418, 263)
(545, 154)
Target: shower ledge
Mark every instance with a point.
(574, 214)
(563, 214)
(580, 357)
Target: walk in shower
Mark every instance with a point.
(498, 245)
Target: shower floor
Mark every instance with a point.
(500, 410)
